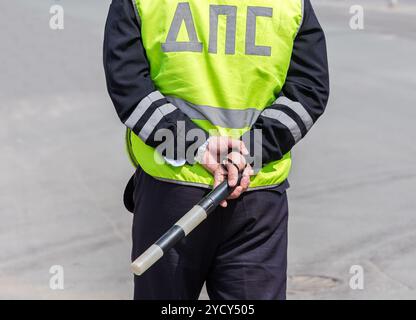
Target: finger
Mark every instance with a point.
(238, 160)
(223, 204)
(243, 148)
(232, 175)
(218, 176)
(236, 193)
(245, 182)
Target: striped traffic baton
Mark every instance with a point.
(183, 227)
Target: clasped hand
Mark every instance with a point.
(225, 158)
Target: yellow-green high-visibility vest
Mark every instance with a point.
(221, 62)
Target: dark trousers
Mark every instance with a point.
(240, 251)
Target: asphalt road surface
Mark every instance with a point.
(63, 165)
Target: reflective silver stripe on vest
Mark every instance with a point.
(303, 16)
(136, 11)
(226, 118)
(299, 109)
(155, 118)
(285, 120)
(142, 107)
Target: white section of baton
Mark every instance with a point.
(192, 219)
(146, 259)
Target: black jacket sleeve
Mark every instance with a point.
(138, 103)
(304, 95)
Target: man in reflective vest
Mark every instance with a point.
(208, 89)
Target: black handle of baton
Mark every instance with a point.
(183, 227)
(220, 193)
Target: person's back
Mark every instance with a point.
(207, 89)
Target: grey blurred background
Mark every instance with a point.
(63, 166)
